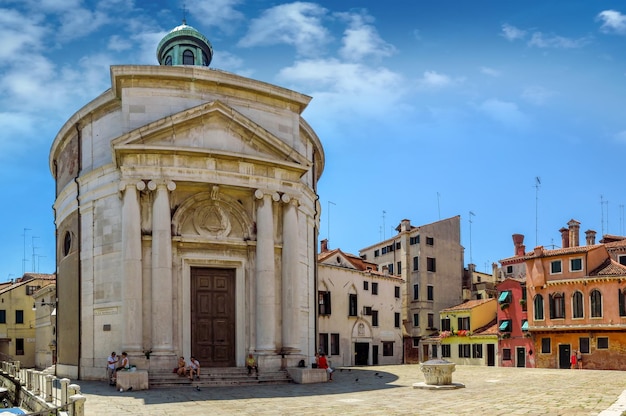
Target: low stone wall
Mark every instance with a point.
(307, 375)
(135, 380)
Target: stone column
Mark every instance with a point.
(265, 273)
(162, 321)
(290, 277)
(131, 267)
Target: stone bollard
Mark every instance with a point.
(29, 380)
(77, 407)
(49, 379)
(64, 391)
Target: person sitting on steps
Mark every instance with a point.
(251, 364)
(193, 368)
(182, 366)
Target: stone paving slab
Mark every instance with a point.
(381, 390)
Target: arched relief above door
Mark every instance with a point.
(361, 329)
(212, 215)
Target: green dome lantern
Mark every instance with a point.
(184, 45)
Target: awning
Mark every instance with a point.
(525, 326)
(504, 326)
(503, 297)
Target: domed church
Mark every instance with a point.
(186, 214)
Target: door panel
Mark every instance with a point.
(213, 316)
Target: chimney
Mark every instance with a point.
(591, 237)
(564, 237)
(518, 242)
(574, 232)
(324, 245)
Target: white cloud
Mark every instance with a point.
(621, 137)
(346, 88)
(512, 33)
(503, 112)
(361, 39)
(79, 22)
(25, 32)
(297, 24)
(118, 43)
(537, 95)
(433, 79)
(612, 22)
(540, 40)
(490, 71)
(217, 13)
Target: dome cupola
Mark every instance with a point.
(184, 45)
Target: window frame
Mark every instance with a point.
(324, 302)
(387, 348)
(605, 343)
(416, 263)
(19, 316)
(506, 354)
(578, 305)
(396, 292)
(546, 345)
(374, 288)
(396, 320)
(352, 304)
(431, 264)
(416, 320)
(553, 268)
(595, 304)
(430, 292)
(465, 351)
(571, 264)
(538, 307)
(374, 317)
(584, 345)
(446, 351)
(416, 291)
(557, 305)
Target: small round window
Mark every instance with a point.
(67, 243)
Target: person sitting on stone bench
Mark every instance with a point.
(252, 364)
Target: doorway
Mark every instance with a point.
(564, 355)
(361, 353)
(374, 354)
(521, 357)
(491, 355)
(213, 316)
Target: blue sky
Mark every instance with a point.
(426, 110)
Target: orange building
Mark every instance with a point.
(577, 302)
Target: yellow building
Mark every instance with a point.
(17, 317)
(468, 333)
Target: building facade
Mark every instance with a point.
(18, 317)
(429, 259)
(578, 303)
(516, 345)
(45, 326)
(187, 216)
(468, 333)
(359, 311)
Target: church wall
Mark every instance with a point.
(68, 341)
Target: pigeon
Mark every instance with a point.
(197, 388)
(356, 380)
(375, 374)
(130, 388)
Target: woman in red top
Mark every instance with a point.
(324, 364)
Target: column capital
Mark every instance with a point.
(123, 185)
(259, 194)
(154, 184)
(289, 199)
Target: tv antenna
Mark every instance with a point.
(537, 183)
(384, 235)
(471, 214)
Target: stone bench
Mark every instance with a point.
(137, 379)
(307, 375)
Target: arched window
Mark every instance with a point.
(538, 304)
(577, 305)
(168, 60)
(188, 58)
(596, 304)
(621, 293)
(67, 243)
(557, 306)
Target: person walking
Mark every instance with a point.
(572, 360)
(579, 359)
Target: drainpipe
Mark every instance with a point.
(79, 238)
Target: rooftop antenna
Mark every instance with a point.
(384, 235)
(184, 14)
(328, 224)
(602, 213)
(621, 219)
(471, 214)
(537, 183)
(24, 260)
(438, 206)
(33, 239)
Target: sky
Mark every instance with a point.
(511, 114)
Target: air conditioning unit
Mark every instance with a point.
(367, 310)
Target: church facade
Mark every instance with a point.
(186, 214)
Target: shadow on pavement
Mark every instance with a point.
(345, 380)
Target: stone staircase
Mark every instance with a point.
(229, 376)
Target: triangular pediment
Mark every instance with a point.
(213, 128)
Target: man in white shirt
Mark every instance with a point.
(111, 361)
(193, 367)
